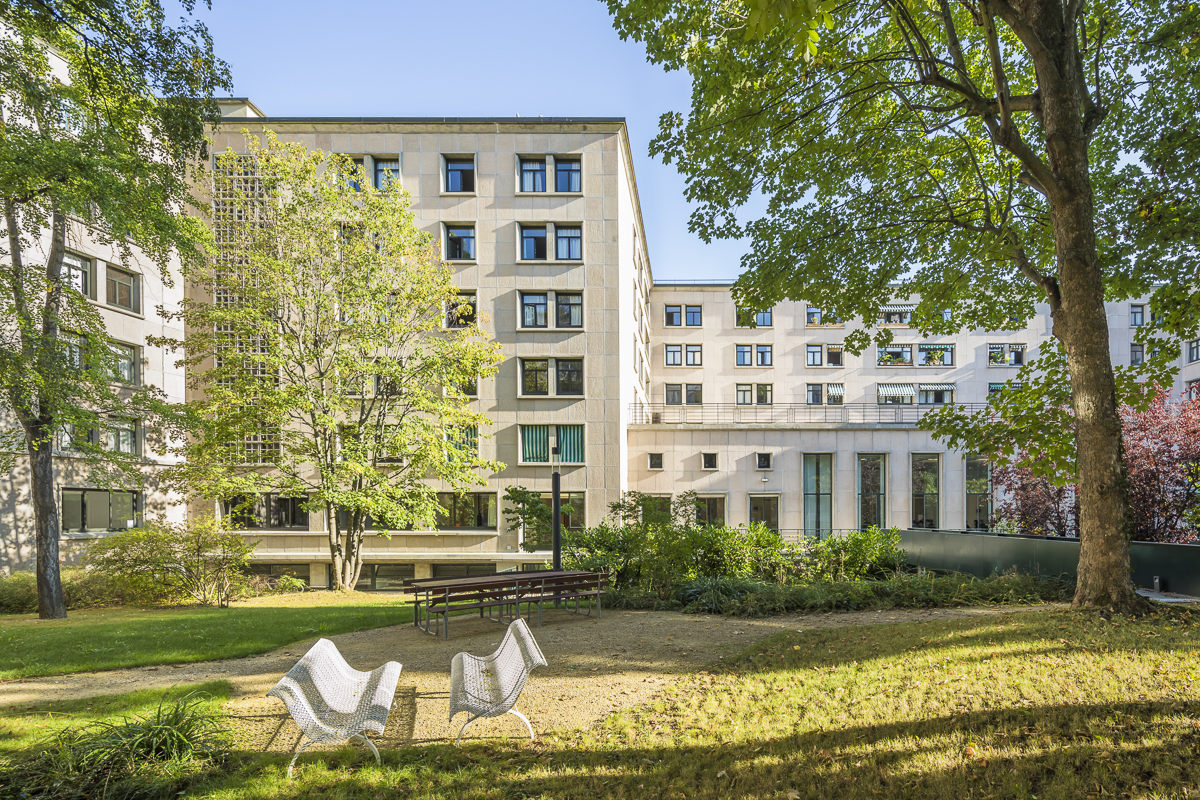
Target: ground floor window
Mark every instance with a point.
(470, 510)
(266, 511)
(384, 577)
(924, 490)
(572, 518)
(872, 491)
(300, 571)
(979, 492)
(710, 511)
(99, 510)
(462, 570)
(818, 494)
(765, 509)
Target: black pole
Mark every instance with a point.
(557, 522)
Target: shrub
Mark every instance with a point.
(82, 588)
(854, 555)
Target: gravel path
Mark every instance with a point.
(596, 667)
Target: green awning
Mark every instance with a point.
(937, 347)
(938, 387)
(836, 389)
(896, 390)
(896, 308)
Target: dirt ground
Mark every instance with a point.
(596, 666)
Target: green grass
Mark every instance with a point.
(1048, 705)
(110, 638)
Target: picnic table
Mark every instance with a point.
(502, 594)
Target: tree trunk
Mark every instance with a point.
(1081, 324)
(336, 553)
(354, 545)
(51, 604)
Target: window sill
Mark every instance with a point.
(549, 329)
(548, 464)
(548, 194)
(118, 309)
(551, 397)
(457, 194)
(825, 325)
(463, 261)
(549, 260)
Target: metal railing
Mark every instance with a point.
(782, 413)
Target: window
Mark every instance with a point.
(674, 316)
(763, 353)
(744, 393)
(762, 461)
(1006, 355)
(535, 376)
(536, 446)
(460, 242)
(468, 510)
(924, 490)
(813, 355)
(674, 394)
(570, 376)
(694, 355)
(835, 393)
(818, 494)
(99, 510)
(268, 510)
(533, 310)
(573, 514)
(936, 394)
(1193, 351)
(746, 318)
(708, 460)
(674, 357)
(387, 171)
(656, 460)
(833, 355)
(70, 438)
(872, 492)
(462, 570)
(765, 394)
(79, 276)
(568, 243)
(996, 356)
(1191, 389)
(384, 577)
(567, 176)
(812, 316)
(460, 175)
(896, 394)
(122, 289)
(1136, 354)
(744, 355)
(126, 368)
(935, 355)
(814, 394)
(470, 388)
(979, 492)
(895, 355)
(533, 175)
(570, 310)
(461, 312)
(1137, 316)
(997, 388)
(896, 314)
(764, 509)
(695, 394)
(354, 172)
(1016, 355)
(121, 436)
(693, 316)
(710, 511)
(533, 243)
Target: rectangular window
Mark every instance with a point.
(461, 311)
(695, 394)
(1137, 316)
(570, 376)
(99, 510)
(270, 510)
(656, 460)
(763, 461)
(745, 394)
(569, 439)
(833, 355)
(673, 316)
(570, 310)
(872, 492)
(460, 175)
(1191, 389)
(533, 175)
(535, 376)
(818, 494)
(764, 509)
(535, 444)
(765, 394)
(533, 310)
(748, 318)
(674, 394)
(122, 289)
(896, 314)
(924, 490)
(460, 242)
(935, 394)
(126, 368)
(813, 355)
(79, 276)
(708, 460)
(573, 514)
(812, 316)
(1136, 354)
(470, 388)
(694, 316)
(694, 355)
(674, 355)
(979, 492)
(835, 394)
(710, 511)
(1193, 351)
(568, 243)
(352, 176)
(1016, 355)
(533, 243)
(121, 436)
(744, 354)
(468, 510)
(896, 355)
(763, 355)
(815, 394)
(387, 173)
(935, 355)
(896, 394)
(568, 177)
(996, 357)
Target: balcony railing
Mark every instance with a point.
(783, 414)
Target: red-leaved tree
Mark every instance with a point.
(1033, 503)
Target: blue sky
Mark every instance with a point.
(547, 57)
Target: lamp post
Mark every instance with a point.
(556, 507)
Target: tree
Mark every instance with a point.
(317, 340)
(104, 108)
(978, 155)
(532, 513)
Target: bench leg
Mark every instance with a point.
(523, 719)
(371, 745)
(292, 763)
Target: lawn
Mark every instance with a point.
(110, 638)
(1035, 705)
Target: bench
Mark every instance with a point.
(562, 589)
(490, 686)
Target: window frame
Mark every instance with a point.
(693, 390)
(452, 164)
(696, 350)
(759, 394)
(819, 394)
(934, 348)
(1137, 354)
(748, 389)
(86, 270)
(675, 389)
(672, 355)
(743, 349)
(569, 240)
(575, 170)
(522, 161)
(377, 171)
(668, 314)
(449, 237)
(526, 373)
(650, 462)
(453, 320)
(545, 308)
(531, 233)
(778, 503)
(811, 350)
(764, 349)
(558, 377)
(839, 350)
(763, 456)
(135, 363)
(1137, 311)
(883, 353)
(1193, 351)
(687, 316)
(716, 461)
(135, 301)
(560, 306)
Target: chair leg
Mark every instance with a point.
(292, 763)
(523, 719)
(463, 728)
(371, 745)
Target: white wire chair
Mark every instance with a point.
(490, 686)
(333, 702)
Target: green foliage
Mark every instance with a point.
(531, 513)
(854, 555)
(82, 588)
(201, 560)
(151, 756)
